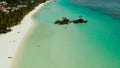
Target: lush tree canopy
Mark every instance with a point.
(14, 17)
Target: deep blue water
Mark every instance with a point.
(109, 7)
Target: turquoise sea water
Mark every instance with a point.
(92, 45)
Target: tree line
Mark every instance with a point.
(14, 17)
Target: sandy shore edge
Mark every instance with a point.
(10, 42)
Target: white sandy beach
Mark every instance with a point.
(10, 42)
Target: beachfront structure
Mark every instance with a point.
(19, 6)
(1, 8)
(3, 3)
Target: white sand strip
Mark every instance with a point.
(10, 42)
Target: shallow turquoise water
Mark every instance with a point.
(92, 45)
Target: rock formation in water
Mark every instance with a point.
(67, 21)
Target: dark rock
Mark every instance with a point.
(67, 21)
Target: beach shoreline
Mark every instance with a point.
(10, 42)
